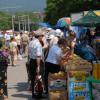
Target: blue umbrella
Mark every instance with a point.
(44, 24)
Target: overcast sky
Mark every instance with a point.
(22, 5)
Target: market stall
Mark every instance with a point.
(92, 20)
(71, 84)
(89, 20)
(77, 72)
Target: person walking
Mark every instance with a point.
(18, 40)
(25, 41)
(35, 55)
(13, 51)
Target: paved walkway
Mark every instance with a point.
(17, 82)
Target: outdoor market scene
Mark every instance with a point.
(41, 61)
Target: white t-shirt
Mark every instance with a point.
(7, 37)
(18, 39)
(13, 46)
(54, 55)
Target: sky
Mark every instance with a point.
(22, 5)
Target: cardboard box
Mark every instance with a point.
(96, 71)
(57, 81)
(58, 95)
(78, 76)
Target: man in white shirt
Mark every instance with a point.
(7, 38)
(35, 55)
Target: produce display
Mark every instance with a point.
(74, 62)
(77, 70)
(78, 76)
(96, 70)
(77, 63)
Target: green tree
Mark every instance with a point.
(5, 21)
(61, 8)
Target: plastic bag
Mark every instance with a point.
(38, 86)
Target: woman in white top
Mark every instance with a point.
(52, 62)
(13, 51)
(18, 40)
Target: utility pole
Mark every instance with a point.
(13, 23)
(25, 24)
(19, 24)
(28, 24)
(11, 10)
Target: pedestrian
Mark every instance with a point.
(71, 39)
(55, 54)
(18, 40)
(13, 51)
(31, 37)
(7, 38)
(35, 55)
(25, 41)
(3, 72)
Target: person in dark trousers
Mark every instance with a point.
(35, 55)
(55, 54)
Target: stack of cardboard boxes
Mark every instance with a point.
(57, 86)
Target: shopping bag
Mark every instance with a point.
(38, 86)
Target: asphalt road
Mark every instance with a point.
(17, 82)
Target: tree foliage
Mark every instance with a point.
(61, 8)
(5, 21)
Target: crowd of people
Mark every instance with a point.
(44, 50)
(12, 47)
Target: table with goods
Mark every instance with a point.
(78, 70)
(71, 84)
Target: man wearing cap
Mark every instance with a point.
(35, 55)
